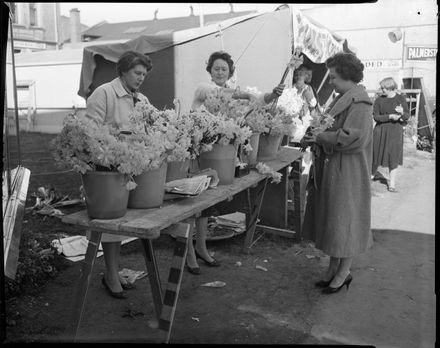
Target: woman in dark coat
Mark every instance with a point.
(338, 210)
(391, 113)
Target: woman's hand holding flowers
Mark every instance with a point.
(399, 109)
(308, 139)
(278, 90)
(276, 93)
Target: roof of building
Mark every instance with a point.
(131, 30)
(49, 57)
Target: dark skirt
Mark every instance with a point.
(387, 145)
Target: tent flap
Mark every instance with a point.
(317, 42)
(143, 44)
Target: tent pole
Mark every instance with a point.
(322, 82)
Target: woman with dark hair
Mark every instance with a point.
(302, 78)
(221, 68)
(338, 211)
(113, 103)
(390, 111)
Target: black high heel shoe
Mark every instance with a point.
(193, 270)
(213, 263)
(120, 294)
(128, 286)
(331, 290)
(323, 283)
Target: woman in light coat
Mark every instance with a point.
(338, 211)
(113, 103)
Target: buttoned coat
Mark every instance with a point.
(110, 103)
(338, 211)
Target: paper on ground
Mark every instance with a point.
(131, 276)
(215, 284)
(237, 218)
(74, 247)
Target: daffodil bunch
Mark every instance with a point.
(291, 102)
(156, 145)
(86, 146)
(264, 169)
(320, 121)
(145, 115)
(217, 129)
(218, 101)
(164, 132)
(274, 122)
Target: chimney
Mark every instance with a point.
(75, 29)
(155, 13)
(232, 8)
(192, 11)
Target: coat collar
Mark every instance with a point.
(357, 94)
(120, 90)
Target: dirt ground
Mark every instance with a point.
(277, 306)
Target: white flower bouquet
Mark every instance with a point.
(217, 129)
(291, 102)
(86, 146)
(164, 132)
(320, 121)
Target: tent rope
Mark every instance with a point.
(220, 34)
(252, 39)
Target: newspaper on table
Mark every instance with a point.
(189, 186)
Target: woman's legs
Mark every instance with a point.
(191, 259)
(393, 177)
(202, 231)
(332, 268)
(342, 272)
(111, 258)
(374, 169)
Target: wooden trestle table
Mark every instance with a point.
(148, 224)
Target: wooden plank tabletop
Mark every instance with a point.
(147, 223)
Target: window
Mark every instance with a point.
(32, 14)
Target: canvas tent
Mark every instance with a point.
(260, 44)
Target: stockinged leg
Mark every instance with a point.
(298, 200)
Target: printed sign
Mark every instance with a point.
(421, 53)
(382, 63)
(28, 44)
(316, 42)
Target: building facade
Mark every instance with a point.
(393, 38)
(39, 26)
